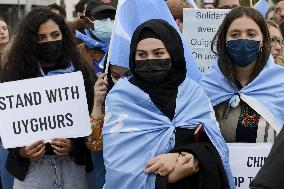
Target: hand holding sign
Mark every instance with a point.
(34, 151)
(62, 146)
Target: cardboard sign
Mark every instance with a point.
(245, 160)
(43, 108)
(199, 29)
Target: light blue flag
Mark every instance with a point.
(262, 6)
(69, 69)
(90, 42)
(265, 94)
(135, 131)
(132, 13)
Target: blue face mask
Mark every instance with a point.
(243, 51)
(103, 29)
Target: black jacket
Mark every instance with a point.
(270, 176)
(211, 174)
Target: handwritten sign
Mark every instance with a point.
(199, 29)
(43, 108)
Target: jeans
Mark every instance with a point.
(5, 177)
(97, 177)
(54, 172)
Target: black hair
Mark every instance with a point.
(61, 10)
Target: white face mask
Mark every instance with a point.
(103, 29)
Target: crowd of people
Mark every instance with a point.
(152, 126)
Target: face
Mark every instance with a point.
(276, 41)
(228, 4)
(49, 31)
(179, 24)
(4, 33)
(117, 72)
(244, 28)
(270, 15)
(279, 12)
(151, 48)
(208, 6)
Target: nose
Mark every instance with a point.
(278, 46)
(282, 13)
(49, 38)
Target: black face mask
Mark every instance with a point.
(49, 52)
(153, 70)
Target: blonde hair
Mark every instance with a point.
(176, 7)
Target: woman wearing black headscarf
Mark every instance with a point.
(156, 111)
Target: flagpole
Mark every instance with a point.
(251, 4)
(111, 41)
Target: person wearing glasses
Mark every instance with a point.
(276, 42)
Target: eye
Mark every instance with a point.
(159, 54)
(141, 55)
(234, 34)
(252, 34)
(40, 38)
(277, 10)
(56, 35)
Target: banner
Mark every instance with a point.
(43, 108)
(245, 160)
(199, 28)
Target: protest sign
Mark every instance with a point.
(43, 108)
(199, 28)
(245, 160)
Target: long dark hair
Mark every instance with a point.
(218, 44)
(22, 61)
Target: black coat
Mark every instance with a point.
(211, 174)
(270, 176)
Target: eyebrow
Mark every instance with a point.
(57, 31)
(157, 49)
(237, 30)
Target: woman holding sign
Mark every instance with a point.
(245, 86)
(43, 47)
(151, 135)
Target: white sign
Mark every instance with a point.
(199, 29)
(43, 108)
(245, 160)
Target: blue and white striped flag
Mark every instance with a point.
(262, 6)
(132, 13)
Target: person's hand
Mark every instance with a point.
(62, 146)
(34, 151)
(186, 165)
(100, 90)
(162, 164)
